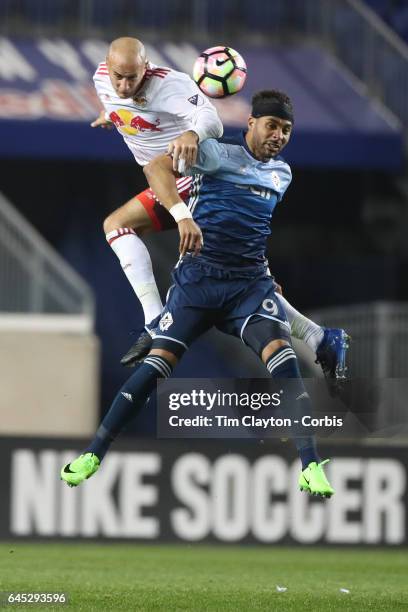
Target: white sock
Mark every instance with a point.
(301, 327)
(137, 265)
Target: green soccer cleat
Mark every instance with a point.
(80, 469)
(314, 481)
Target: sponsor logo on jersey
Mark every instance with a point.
(166, 321)
(258, 191)
(276, 180)
(131, 124)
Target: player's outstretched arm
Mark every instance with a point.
(162, 179)
(102, 122)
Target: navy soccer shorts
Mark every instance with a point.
(241, 303)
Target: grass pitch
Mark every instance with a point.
(199, 578)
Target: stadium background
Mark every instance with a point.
(338, 248)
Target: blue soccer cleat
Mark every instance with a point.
(331, 355)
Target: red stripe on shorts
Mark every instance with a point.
(147, 198)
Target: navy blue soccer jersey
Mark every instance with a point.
(232, 199)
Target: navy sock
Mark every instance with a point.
(284, 364)
(128, 402)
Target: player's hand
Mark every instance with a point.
(102, 122)
(191, 238)
(184, 150)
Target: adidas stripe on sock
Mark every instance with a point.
(160, 364)
(283, 363)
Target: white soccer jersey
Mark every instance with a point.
(167, 104)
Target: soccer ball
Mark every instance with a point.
(219, 72)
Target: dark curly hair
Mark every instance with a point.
(272, 95)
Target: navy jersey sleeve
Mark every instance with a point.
(210, 156)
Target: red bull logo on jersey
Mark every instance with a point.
(131, 124)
